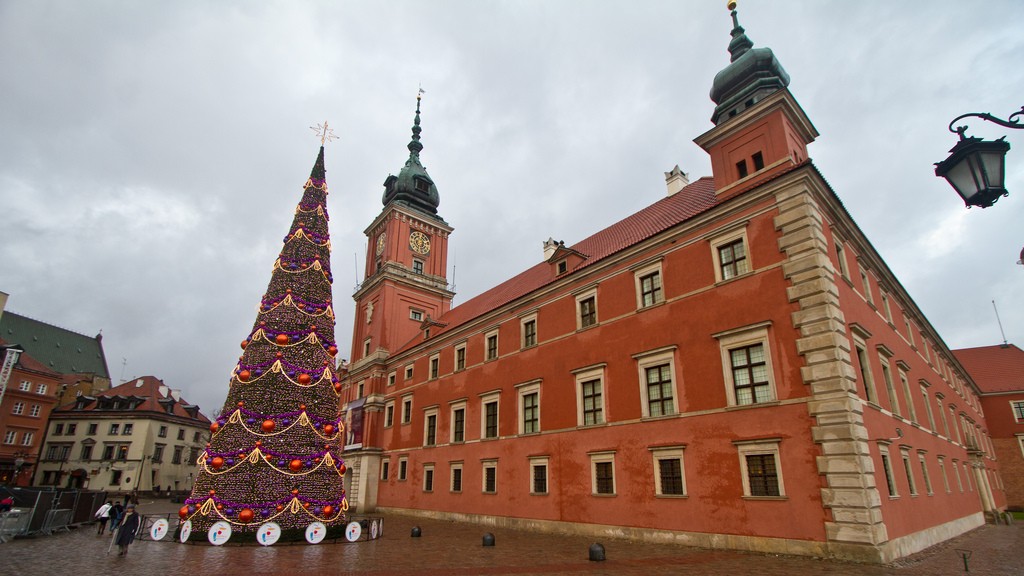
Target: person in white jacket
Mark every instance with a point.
(103, 514)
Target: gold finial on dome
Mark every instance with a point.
(731, 4)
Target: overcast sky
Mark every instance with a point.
(152, 154)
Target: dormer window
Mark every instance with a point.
(562, 267)
(422, 185)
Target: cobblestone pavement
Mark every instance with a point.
(451, 548)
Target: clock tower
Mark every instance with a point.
(406, 263)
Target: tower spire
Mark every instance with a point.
(413, 187)
(415, 145)
(740, 43)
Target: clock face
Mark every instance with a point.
(380, 242)
(419, 242)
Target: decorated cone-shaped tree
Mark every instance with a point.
(275, 451)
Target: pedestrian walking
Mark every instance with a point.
(126, 533)
(116, 515)
(103, 514)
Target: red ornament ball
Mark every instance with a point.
(295, 492)
(217, 462)
(279, 355)
(212, 492)
(214, 427)
(333, 350)
(246, 515)
(288, 291)
(342, 469)
(302, 406)
(305, 504)
(328, 510)
(337, 386)
(304, 379)
(220, 507)
(282, 339)
(268, 426)
(244, 344)
(279, 508)
(295, 465)
(328, 429)
(244, 375)
(183, 512)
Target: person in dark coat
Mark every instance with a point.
(116, 514)
(129, 526)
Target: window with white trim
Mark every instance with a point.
(392, 378)
(539, 475)
(657, 376)
(885, 306)
(586, 309)
(435, 363)
(407, 409)
(602, 473)
(528, 331)
(924, 473)
(905, 454)
(1017, 407)
(945, 475)
(41, 389)
(428, 477)
(460, 357)
(731, 255)
(890, 481)
(760, 468)
(490, 476)
(35, 410)
(529, 407)
(890, 388)
(647, 281)
(415, 314)
(18, 408)
(747, 365)
(952, 418)
(905, 383)
(27, 437)
(489, 415)
(430, 427)
(455, 477)
(491, 345)
(10, 437)
(841, 258)
(403, 468)
(24, 386)
(669, 477)
(867, 285)
(385, 468)
(927, 404)
(590, 396)
(389, 413)
(458, 420)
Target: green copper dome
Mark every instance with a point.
(752, 74)
(413, 187)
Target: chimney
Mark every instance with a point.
(550, 245)
(676, 180)
(176, 394)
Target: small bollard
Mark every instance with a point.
(416, 532)
(488, 539)
(596, 552)
(965, 554)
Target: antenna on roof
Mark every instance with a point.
(455, 264)
(355, 266)
(1000, 322)
(124, 363)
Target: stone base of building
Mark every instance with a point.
(881, 554)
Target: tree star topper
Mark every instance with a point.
(325, 133)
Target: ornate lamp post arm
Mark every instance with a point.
(1012, 122)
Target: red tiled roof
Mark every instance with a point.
(994, 368)
(148, 389)
(658, 217)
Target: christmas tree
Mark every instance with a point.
(275, 450)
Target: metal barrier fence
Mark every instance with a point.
(47, 510)
(14, 523)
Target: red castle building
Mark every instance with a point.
(732, 366)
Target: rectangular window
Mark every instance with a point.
(408, 373)
(586, 306)
(459, 423)
(750, 374)
(492, 345)
(158, 453)
(529, 408)
(864, 365)
(34, 411)
(385, 469)
(417, 266)
(176, 458)
(890, 389)
(928, 406)
(529, 328)
(92, 429)
(668, 472)
(403, 468)
(910, 474)
(416, 315)
(87, 453)
(910, 331)
(430, 428)
(128, 429)
(195, 437)
(25, 386)
(593, 406)
(650, 289)
(456, 485)
(490, 419)
(887, 468)
(841, 257)
(27, 437)
(392, 377)
(945, 476)
(18, 408)
(122, 452)
(952, 418)
(758, 160)
(538, 476)
(114, 429)
(741, 168)
(885, 306)
(603, 470)
(759, 466)
(72, 428)
(58, 429)
(941, 411)
(911, 410)
(435, 362)
(181, 434)
(10, 437)
(406, 409)
(115, 477)
(660, 401)
(732, 258)
(163, 432)
(460, 358)
(867, 286)
(490, 477)
(108, 451)
(389, 414)
(428, 478)
(924, 474)
(1017, 407)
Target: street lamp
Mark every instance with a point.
(976, 168)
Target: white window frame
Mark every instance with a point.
(41, 389)
(928, 404)
(455, 352)
(863, 359)
(668, 453)
(761, 447)
(389, 413)
(1013, 410)
(540, 461)
(27, 438)
(742, 338)
(10, 437)
(35, 410)
(650, 359)
(844, 266)
(403, 468)
(408, 372)
(392, 377)
(428, 474)
(406, 415)
(415, 314)
(584, 375)
(454, 407)
(428, 413)
(580, 297)
(904, 368)
(887, 378)
(522, 391)
(888, 474)
(729, 238)
(18, 408)
(601, 458)
(865, 281)
(25, 386)
(523, 344)
(490, 463)
(924, 472)
(487, 345)
(452, 467)
(945, 475)
(908, 469)
(434, 366)
(645, 271)
(485, 399)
